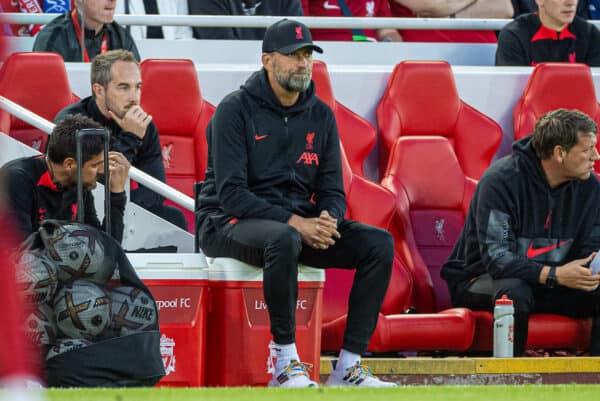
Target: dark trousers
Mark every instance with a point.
(481, 293)
(278, 248)
(172, 214)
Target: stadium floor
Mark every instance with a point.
(481, 371)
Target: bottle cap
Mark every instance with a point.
(504, 300)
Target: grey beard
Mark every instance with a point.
(296, 84)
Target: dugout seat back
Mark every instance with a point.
(421, 99)
(39, 83)
(358, 136)
(432, 200)
(553, 86)
(171, 95)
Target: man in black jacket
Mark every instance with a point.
(45, 187)
(273, 197)
(94, 20)
(532, 228)
(553, 34)
(240, 7)
(585, 8)
(115, 103)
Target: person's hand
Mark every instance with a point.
(316, 232)
(118, 167)
(576, 275)
(136, 120)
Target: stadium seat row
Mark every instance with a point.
(432, 149)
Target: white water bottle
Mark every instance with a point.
(504, 328)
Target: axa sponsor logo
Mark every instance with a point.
(307, 157)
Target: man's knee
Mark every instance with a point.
(518, 290)
(285, 241)
(380, 244)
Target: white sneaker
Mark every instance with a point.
(357, 375)
(294, 375)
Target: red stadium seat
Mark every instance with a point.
(357, 135)
(433, 197)
(552, 86)
(421, 99)
(361, 197)
(171, 94)
(395, 331)
(38, 82)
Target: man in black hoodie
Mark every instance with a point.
(533, 227)
(274, 197)
(115, 104)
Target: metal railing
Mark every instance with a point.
(242, 21)
(147, 180)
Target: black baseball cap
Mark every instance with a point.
(287, 36)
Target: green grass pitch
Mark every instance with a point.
(412, 393)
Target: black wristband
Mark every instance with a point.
(551, 279)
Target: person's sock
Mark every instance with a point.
(345, 360)
(282, 354)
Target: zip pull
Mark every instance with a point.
(285, 119)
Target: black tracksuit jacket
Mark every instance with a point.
(526, 42)
(267, 161)
(33, 197)
(516, 223)
(144, 154)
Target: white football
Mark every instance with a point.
(40, 326)
(36, 277)
(77, 252)
(133, 310)
(83, 310)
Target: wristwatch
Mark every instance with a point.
(551, 279)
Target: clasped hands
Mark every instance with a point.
(317, 232)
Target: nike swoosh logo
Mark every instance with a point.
(328, 6)
(259, 137)
(532, 253)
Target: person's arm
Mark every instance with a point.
(20, 198)
(211, 7)
(435, 8)
(118, 170)
(149, 160)
(510, 50)
(487, 9)
(460, 8)
(495, 220)
(389, 35)
(229, 155)
(593, 51)
(294, 8)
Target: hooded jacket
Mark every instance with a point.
(144, 154)
(33, 197)
(517, 223)
(267, 161)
